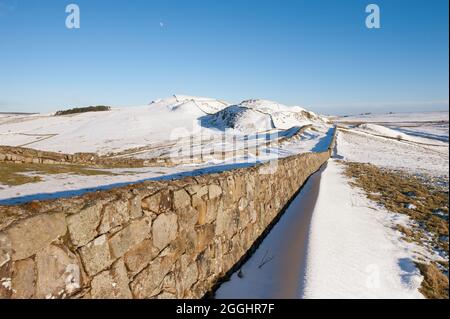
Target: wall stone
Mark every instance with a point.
(30, 235)
(165, 239)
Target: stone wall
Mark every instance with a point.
(171, 239)
(24, 155)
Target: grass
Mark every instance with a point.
(425, 204)
(435, 283)
(16, 174)
(98, 108)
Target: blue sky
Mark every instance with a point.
(315, 53)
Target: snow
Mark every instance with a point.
(387, 132)
(261, 115)
(396, 117)
(264, 105)
(410, 206)
(153, 126)
(434, 131)
(104, 132)
(205, 104)
(100, 132)
(412, 157)
(353, 251)
(240, 118)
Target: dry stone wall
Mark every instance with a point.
(171, 239)
(22, 155)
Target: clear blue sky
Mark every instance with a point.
(315, 53)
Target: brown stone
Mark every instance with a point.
(58, 273)
(30, 235)
(130, 236)
(198, 190)
(187, 218)
(96, 255)
(169, 283)
(140, 256)
(151, 203)
(83, 226)
(205, 236)
(192, 189)
(5, 249)
(214, 191)
(136, 207)
(111, 284)
(189, 272)
(24, 279)
(114, 214)
(181, 199)
(164, 230)
(5, 281)
(243, 203)
(205, 262)
(148, 282)
(200, 205)
(166, 202)
(226, 223)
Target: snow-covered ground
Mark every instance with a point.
(353, 250)
(415, 158)
(436, 131)
(395, 117)
(384, 131)
(156, 125)
(413, 142)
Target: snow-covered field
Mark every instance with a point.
(415, 145)
(395, 117)
(353, 250)
(161, 123)
(417, 158)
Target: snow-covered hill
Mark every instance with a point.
(240, 118)
(143, 126)
(261, 115)
(191, 104)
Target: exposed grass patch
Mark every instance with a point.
(435, 283)
(98, 108)
(16, 174)
(425, 204)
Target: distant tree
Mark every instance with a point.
(98, 108)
